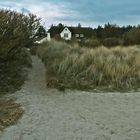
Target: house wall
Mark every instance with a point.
(48, 36)
(66, 34)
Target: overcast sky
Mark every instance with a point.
(86, 12)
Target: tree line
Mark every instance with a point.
(112, 34)
(109, 35)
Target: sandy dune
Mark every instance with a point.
(73, 115)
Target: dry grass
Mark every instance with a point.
(10, 112)
(100, 68)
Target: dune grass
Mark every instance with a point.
(86, 68)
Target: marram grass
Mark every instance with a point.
(85, 68)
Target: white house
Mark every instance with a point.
(69, 32)
(66, 34)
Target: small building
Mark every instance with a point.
(47, 38)
(68, 32)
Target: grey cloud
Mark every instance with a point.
(101, 11)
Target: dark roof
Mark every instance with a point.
(56, 30)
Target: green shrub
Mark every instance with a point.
(132, 37)
(13, 72)
(110, 42)
(92, 43)
(17, 32)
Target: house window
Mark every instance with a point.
(76, 35)
(81, 35)
(66, 35)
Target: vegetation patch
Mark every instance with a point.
(13, 72)
(10, 112)
(17, 33)
(101, 68)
